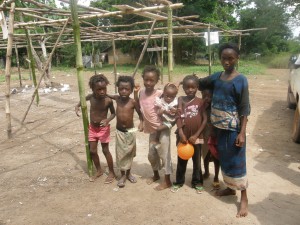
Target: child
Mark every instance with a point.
(99, 128)
(125, 136)
(191, 122)
(167, 107)
(229, 111)
(209, 133)
(158, 157)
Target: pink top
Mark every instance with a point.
(149, 110)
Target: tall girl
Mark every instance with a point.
(229, 110)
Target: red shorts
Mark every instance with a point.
(99, 133)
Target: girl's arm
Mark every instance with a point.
(179, 121)
(114, 97)
(241, 138)
(138, 110)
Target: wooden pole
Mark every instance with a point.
(144, 48)
(170, 44)
(18, 63)
(115, 63)
(80, 78)
(8, 67)
(43, 72)
(209, 50)
(162, 60)
(239, 45)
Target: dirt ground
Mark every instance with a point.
(43, 175)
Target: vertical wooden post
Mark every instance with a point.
(18, 64)
(239, 45)
(8, 67)
(80, 78)
(170, 44)
(209, 50)
(162, 60)
(115, 63)
(144, 49)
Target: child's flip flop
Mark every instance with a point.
(199, 189)
(175, 188)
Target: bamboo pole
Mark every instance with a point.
(43, 72)
(80, 78)
(8, 68)
(18, 64)
(162, 61)
(115, 63)
(144, 48)
(170, 44)
(239, 45)
(209, 50)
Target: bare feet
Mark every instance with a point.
(110, 178)
(131, 178)
(152, 179)
(243, 208)
(225, 192)
(99, 173)
(121, 182)
(162, 186)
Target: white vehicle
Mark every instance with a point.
(293, 98)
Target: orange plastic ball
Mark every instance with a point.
(185, 151)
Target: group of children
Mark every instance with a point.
(221, 114)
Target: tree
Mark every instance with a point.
(266, 13)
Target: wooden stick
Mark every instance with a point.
(115, 63)
(170, 44)
(144, 49)
(8, 68)
(44, 71)
(80, 78)
(18, 64)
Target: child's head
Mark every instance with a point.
(125, 86)
(229, 54)
(190, 85)
(206, 92)
(98, 83)
(150, 76)
(170, 92)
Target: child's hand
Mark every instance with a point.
(182, 137)
(140, 127)
(77, 110)
(173, 110)
(137, 87)
(104, 123)
(240, 140)
(193, 139)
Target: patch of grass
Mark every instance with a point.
(279, 61)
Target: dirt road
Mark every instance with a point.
(43, 177)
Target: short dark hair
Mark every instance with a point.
(192, 77)
(126, 79)
(203, 87)
(153, 69)
(171, 86)
(97, 78)
(232, 46)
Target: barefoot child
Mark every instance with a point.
(160, 158)
(125, 136)
(229, 111)
(99, 128)
(191, 122)
(167, 108)
(209, 132)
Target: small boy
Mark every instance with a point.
(125, 136)
(99, 128)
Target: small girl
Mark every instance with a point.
(191, 122)
(208, 134)
(159, 158)
(167, 108)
